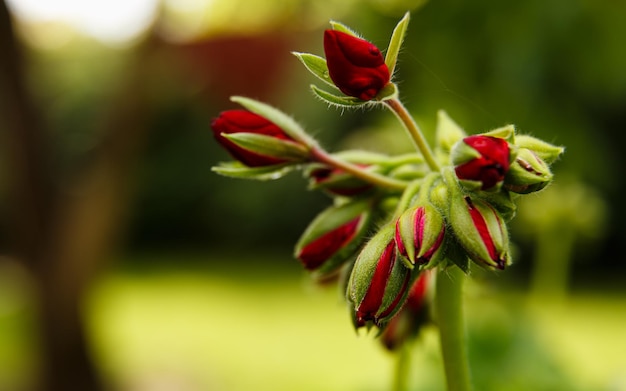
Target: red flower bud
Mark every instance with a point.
(482, 158)
(379, 281)
(419, 234)
(315, 253)
(333, 236)
(242, 121)
(355, 65)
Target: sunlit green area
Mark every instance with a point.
(185, 280)
(231, 328)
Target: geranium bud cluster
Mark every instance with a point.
(391, 219)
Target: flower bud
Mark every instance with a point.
(528, 173)
(333, 236)
(355, 65)
(413, 315)
(337, 182)
(419, 234)
(545, 151)
(379, 281)
(480, 230)
(483, 159)
(256, 141)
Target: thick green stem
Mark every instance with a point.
(376, 179)
(403, 363)
(414, 131)
(448, 304)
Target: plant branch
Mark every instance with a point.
(322, 156)
(414, 131)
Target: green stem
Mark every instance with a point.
(414, 131)
(401, 373)
(322, 156)
(448, 304)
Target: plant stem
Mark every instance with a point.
(448, 304)
(376, 179)
(403, 363)
(414, 131)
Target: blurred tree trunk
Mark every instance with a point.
(61, 238)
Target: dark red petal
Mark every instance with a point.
(495, 150)
(314, 254)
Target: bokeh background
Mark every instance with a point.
(126, 264)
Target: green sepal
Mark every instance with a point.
(462, 153)
(389, 91)
(280, 119)
(448, 132)
(549, 153)
(338, 26)
(502, 201)
(316, 65)
(506, 132)
(397, 37)
(335, 100)
(238, 170)
(269, 146)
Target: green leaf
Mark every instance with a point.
(343, 28)
(342, 101)
(280, 119)
(316, 65)
(240, 171)
(396, 42)
(269, 146)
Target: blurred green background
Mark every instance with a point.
(122, 252)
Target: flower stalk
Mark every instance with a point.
(414, 131)
(322, 156)
(450, 319)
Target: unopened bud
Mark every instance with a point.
(481, 159)
(333, 236)
(420, 233)
(528, 173)
(379, 281)
(481, 231)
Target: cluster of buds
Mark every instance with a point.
(392, 219)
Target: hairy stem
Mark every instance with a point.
(414, 131)
(322, 156)
(448, 304)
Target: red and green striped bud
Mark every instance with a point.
(482, 159)
(255, 141)
(407, 324)
(420, 233)
(528, 173)
(334, 236)
(481, 231)
(379, 281)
